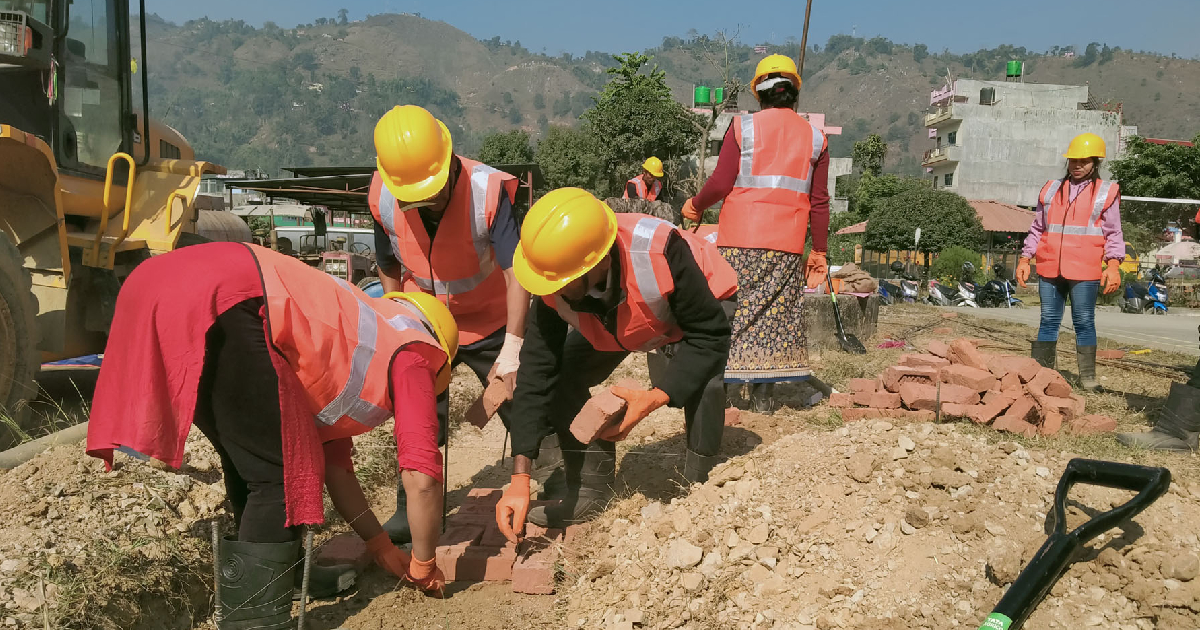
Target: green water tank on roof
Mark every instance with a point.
(703, 95)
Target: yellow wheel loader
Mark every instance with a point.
(89, 185)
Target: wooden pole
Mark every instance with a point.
(804, 40)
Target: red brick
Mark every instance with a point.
(1059, 388)
(863, 399)
(1044, 378)
(969, 377)
(1014, 425)
(985, 413)
(462, 534)
(955, 410)
(490, 496)
(859, 385)
(892, 375)
(884, 400)
(476, 564)
(733, 417)
(476, 414)
(916, 396)
(493, 537)
(1110, 354)
(1063, 406)
(1095, 423)
(939, 348)
(344, 549)
(1029, 370)
(495, 395)
(994, 397)
(1011, 384)
(923, 360)
(1080, 407)
(942, 330)
(841, 400)
(964, 352)
(477, 518)
(534, 573)
(1023, 409)
(1052, 421)
(862, 413)
(600, 410)
(950, 315)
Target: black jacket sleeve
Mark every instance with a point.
(537, 379)
(702, 352)
(384, 256)
(631, 191)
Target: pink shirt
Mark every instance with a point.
(1114, 237)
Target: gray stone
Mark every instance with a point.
(682, 554)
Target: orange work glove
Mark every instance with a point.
(640, 404)
(388, 555)
(512, 508)
(1022, 271)
(690, 212)
(426, 575)
(815, 269)
(1110, 280)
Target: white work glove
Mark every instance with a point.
(509, 361)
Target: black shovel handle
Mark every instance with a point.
(1056, 554)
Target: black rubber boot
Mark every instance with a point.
(762, 398)
(324, 581)
(548, 470)
(397, 526)
(696, 467)
(255, 585)
(1045, 353)
(1086, 358)
(590, 475)
(1178, 427)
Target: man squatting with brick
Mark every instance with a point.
(611, 284)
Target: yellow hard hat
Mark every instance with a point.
(1087, 145)
(444, 327)
(413, 152)
(653, 165)
(771, 64)
(565, 234)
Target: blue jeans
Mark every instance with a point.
(1054, 292)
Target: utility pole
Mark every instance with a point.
(804, 40)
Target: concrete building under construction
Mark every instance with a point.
(1003, 140)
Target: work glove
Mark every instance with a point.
(815, 269)
(426, 575)
(1110, 280)
(509, 361)
(1022, 271)
(387, 555)
(640, 404)
(513, 506)
(690, 212)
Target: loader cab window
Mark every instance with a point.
(93, 95)
(38, 10)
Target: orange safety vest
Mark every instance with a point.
(462, 271)
(643, 193)
(769, 204)
(644, 318)
(340, 342)
(1072, 244)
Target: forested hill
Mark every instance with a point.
(271, 97)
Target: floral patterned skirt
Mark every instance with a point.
(769, 343)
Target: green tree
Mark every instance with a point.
(841, 248)
(920, 52)
(859, 65)
(870, 153)
(562, 105)
(945, 220)
(947, 267)
(568, 156)
(510, 147)
(1169, 171)
(342, 17)
(515, 116)
(636, 117)
(539, 101)
(869, 191)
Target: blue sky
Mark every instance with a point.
(1166, 26)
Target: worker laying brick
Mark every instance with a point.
(279, 365)
(623, 283)
(444, 225)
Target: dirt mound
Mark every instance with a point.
(879, 526)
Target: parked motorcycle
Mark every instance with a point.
(1000, 291)
(967, 289)
(904, 289)
(1149, 297)
(961, 295)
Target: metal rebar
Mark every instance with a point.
(308, 543)
(216, 549)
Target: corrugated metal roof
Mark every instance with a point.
(995, 217)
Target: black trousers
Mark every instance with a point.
(237, 409)
(479, 356)
(704, 416)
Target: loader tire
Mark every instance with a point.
(19, 358)
(191, 238)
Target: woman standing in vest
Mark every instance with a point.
(648, 185)
(1077, 241)
(279, 365)
(612, 284)
(772, 174)
(444, 225)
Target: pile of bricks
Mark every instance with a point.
(472, 549)
(1012, 393)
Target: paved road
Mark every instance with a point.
(1176, 333)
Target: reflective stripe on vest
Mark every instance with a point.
(480, 236)
(1091, 229)
(746, 178)
(649, 194)
(643, 268)
(349, 401)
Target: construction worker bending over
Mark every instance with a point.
(612, 284)
(279, 365)
(648, 185)
(773, 174)
(444, 225)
